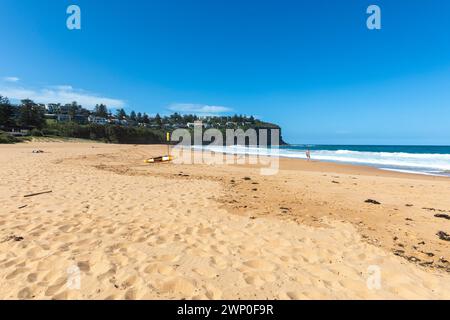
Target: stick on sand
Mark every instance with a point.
(37, 194)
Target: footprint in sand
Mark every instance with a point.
(32, 277)
(213, 293)
(294, 295)
(206, 272)
(167, 258)
(16, 272)
(219, 262)
(61, 296)
(259, 278)
(159, 268)
(178, 285)
(25, 293)
(57, 285)
(260, 265)
(130, 294)
(129, 282)
(254, 280)
(84, 266)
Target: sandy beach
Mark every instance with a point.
(172, 231)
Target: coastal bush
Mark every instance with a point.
(50, 132)
(36, 133)
(106, 133)
(6, 138)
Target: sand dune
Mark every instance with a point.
(179, 231)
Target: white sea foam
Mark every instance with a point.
(412, 162)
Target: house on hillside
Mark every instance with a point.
(97, 120)
(196, 123)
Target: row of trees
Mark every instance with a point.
(176, 118)
(27, 114)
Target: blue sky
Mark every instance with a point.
(311, 66)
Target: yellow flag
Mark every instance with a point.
(168, 137)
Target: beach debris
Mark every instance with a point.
(37, 151)
(37, 194)
(434, 209)
(337, 182)
(371, 201)
(441, 215)
(247, 178)
(183, 175)
(254, 189)
(24, 206)
(409, 205)
(285, 209)
(443, 236)
(13, 238)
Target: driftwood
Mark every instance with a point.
(36, 194)
(371, 201)
(441, 215)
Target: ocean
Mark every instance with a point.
(429, 160)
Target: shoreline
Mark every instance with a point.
(336, 162)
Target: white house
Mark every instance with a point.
(97, 120)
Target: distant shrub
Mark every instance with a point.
(36, 133)
(6, 138)
(50, 132)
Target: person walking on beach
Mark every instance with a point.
(308, 155)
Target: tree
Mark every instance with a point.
(84, 112)
(133, 116)
(101, 110)
(54, 108)
(73, 110)
(145, 119)
(158, 120)
(31, 114)
(121, 114)
(6, 112)
(139, 117)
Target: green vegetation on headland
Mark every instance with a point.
(73, 121)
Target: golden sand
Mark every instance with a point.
(168, 231)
